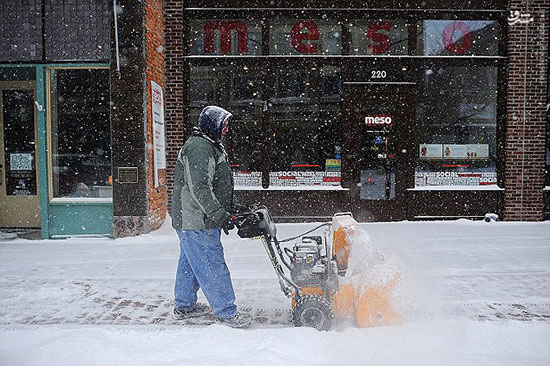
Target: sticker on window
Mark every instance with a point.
(20, 161)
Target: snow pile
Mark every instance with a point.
(370, 265)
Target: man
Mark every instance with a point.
(202, 202)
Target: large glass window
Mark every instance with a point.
(238, 89)
(306, 127)
(458, 37)
(456, 117)
(305, 37)
(80, 133)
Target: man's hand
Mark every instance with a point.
(239, 208)
(229, 224)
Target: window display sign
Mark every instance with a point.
(333, 165)
(297, 179)
(431, 151)
(454, 178)
(470, 151)
(158, 130)
(379, 120)
(247, 179)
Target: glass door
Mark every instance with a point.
(19, 202)
(378, 128)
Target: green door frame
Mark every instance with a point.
(42, 133)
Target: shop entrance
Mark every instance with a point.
(378, 124)
(19, 201)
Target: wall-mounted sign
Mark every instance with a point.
(380, 120)
(431, 151)
(159, 151)
(127, 174)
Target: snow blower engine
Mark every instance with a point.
(317, 284)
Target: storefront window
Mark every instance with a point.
(305, 37)
(238, 89)
(456, 117)
(379, 37)
(306, 127)
(80, 133)
(459, 38)
(220, 37)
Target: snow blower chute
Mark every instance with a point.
(321, 286)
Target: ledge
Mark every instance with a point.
(80, 200)
(300, 188)
(492, 187)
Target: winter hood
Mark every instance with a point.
(211, 121)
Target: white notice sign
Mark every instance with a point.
(159, 152)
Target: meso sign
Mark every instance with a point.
(379, 120)
(305, 36)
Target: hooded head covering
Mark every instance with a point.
(211, 121)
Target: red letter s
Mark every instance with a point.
(383, 40)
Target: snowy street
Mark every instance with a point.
(471, 293)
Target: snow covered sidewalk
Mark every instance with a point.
(471, 292)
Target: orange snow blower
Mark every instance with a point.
(321, 286)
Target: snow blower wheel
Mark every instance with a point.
(313, 311)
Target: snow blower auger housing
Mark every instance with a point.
(317, 284)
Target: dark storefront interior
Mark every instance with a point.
(388, 114)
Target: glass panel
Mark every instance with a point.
(305, 37)
(17, 74)
(459, 37)
(237, 89)
(379, 37)
(19, 142)
(226, 37)
(380, 115)
(456, 116)
(78, 29)
(21, 30)
(80, 133)
(306, 127)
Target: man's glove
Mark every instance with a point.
(229, 224)
(239, 208)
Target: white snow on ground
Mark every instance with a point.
(472, 293)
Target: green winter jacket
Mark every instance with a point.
(203, 184)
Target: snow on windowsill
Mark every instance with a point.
(298, 188)
(81, 200)
(492, 187)
(547, 188)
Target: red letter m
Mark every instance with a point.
(225, 36)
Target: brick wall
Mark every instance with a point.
(174, 74)
(154, 69)
(526, 105)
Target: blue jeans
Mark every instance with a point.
(201, 264)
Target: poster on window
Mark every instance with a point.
(431, 151)
(159, 147)
(247, 179)
(470, 151)
(304, 179)
(446, 178)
